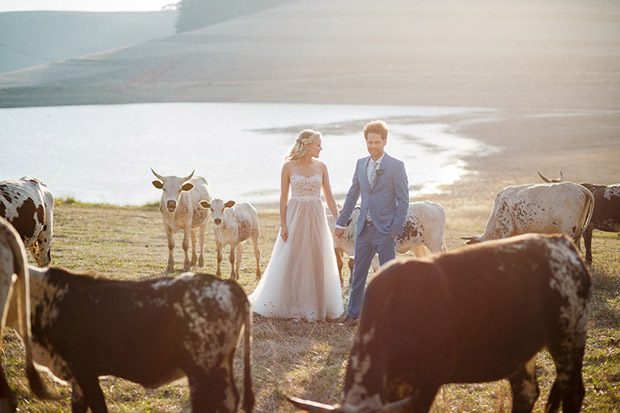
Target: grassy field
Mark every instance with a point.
(298, 358)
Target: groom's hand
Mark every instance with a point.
(339, 232)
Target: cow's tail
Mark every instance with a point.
(586, 215)
(22, 298)
(248, 392)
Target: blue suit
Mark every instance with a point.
(386, 202)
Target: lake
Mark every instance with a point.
(104, 153)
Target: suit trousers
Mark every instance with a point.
(367, 243)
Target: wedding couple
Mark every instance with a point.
(301, 280)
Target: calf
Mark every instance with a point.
(564, 208)
(425, 228)
(233, 224)
(151, 332)
(180, 209)
(14, 290)
(606, 214)
(474, 314)
(28, 205)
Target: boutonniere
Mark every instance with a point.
(379, 172)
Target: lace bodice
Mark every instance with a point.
(306, 186)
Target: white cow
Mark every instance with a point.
(424, 229)
(564, 208)
(15, 290)
(28, 205)
(180, 209)
(232, 224)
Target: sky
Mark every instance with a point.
(84, 5)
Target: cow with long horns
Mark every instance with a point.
(474, 314)
(180, 209)
(606, 214)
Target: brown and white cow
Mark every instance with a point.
(474, 314)
(151, 332)
(14, 290)
(564, 208)
(180, 209)
(424, 230)
(606, 215)
(233, 224)
(28, 205)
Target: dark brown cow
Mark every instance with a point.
(606, 214)
(29, 206)
(14, 289)
(151, 332)
(474, 314)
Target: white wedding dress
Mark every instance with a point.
(301, 280)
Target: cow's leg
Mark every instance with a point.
(201, 237)
(256, 255)
(86, 392)
(338, 252)
(231, 258)
(194, 255)
(587, 243)
(524, 387)
(218, 246)
(213, 392)
(8, 401)
(170, 236)
(420, 250)
(186, 237)
(568, 387)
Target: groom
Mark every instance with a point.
(382, 182)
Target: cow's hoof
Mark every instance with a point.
(201, 262)
(169, 269)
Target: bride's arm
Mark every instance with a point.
(327, 191)
(284, 185)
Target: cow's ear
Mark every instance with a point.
(187, 186)
(158, 184)
(205, 204)
(229, 204)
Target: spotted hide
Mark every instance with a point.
(14, 290)
(29, 206)
(233, 224)
(606, 214)
(424, 230)
(564, 208)
(180, 209)
(474, 314)
(150, 332)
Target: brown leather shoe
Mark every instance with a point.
(349, 322)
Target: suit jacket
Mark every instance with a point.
(387, 201)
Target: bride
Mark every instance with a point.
(301, 279)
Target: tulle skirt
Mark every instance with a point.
(301, 280)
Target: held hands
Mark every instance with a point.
(339, 232)
(284, 232)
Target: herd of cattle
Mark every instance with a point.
(477, 313)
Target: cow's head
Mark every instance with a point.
(217, 207)
(41, 249)
(372, 405)
(173, 187)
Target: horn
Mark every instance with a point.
(190, 176)
(471, 240)
(310, 406)
(161, 178)
(561, 176)
(544, 178)
(407, 402)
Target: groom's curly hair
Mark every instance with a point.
(376, 126)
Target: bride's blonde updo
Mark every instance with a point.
(305, 139)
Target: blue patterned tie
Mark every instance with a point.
(373, 173)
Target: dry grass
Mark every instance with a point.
(298, 358)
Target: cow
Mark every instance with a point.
(564, 208)
(424, 229)
(474, 314)
(151, 332)
(15, 291)
(606, 214)
(232, 225)
(28, 205)
(180, 209)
